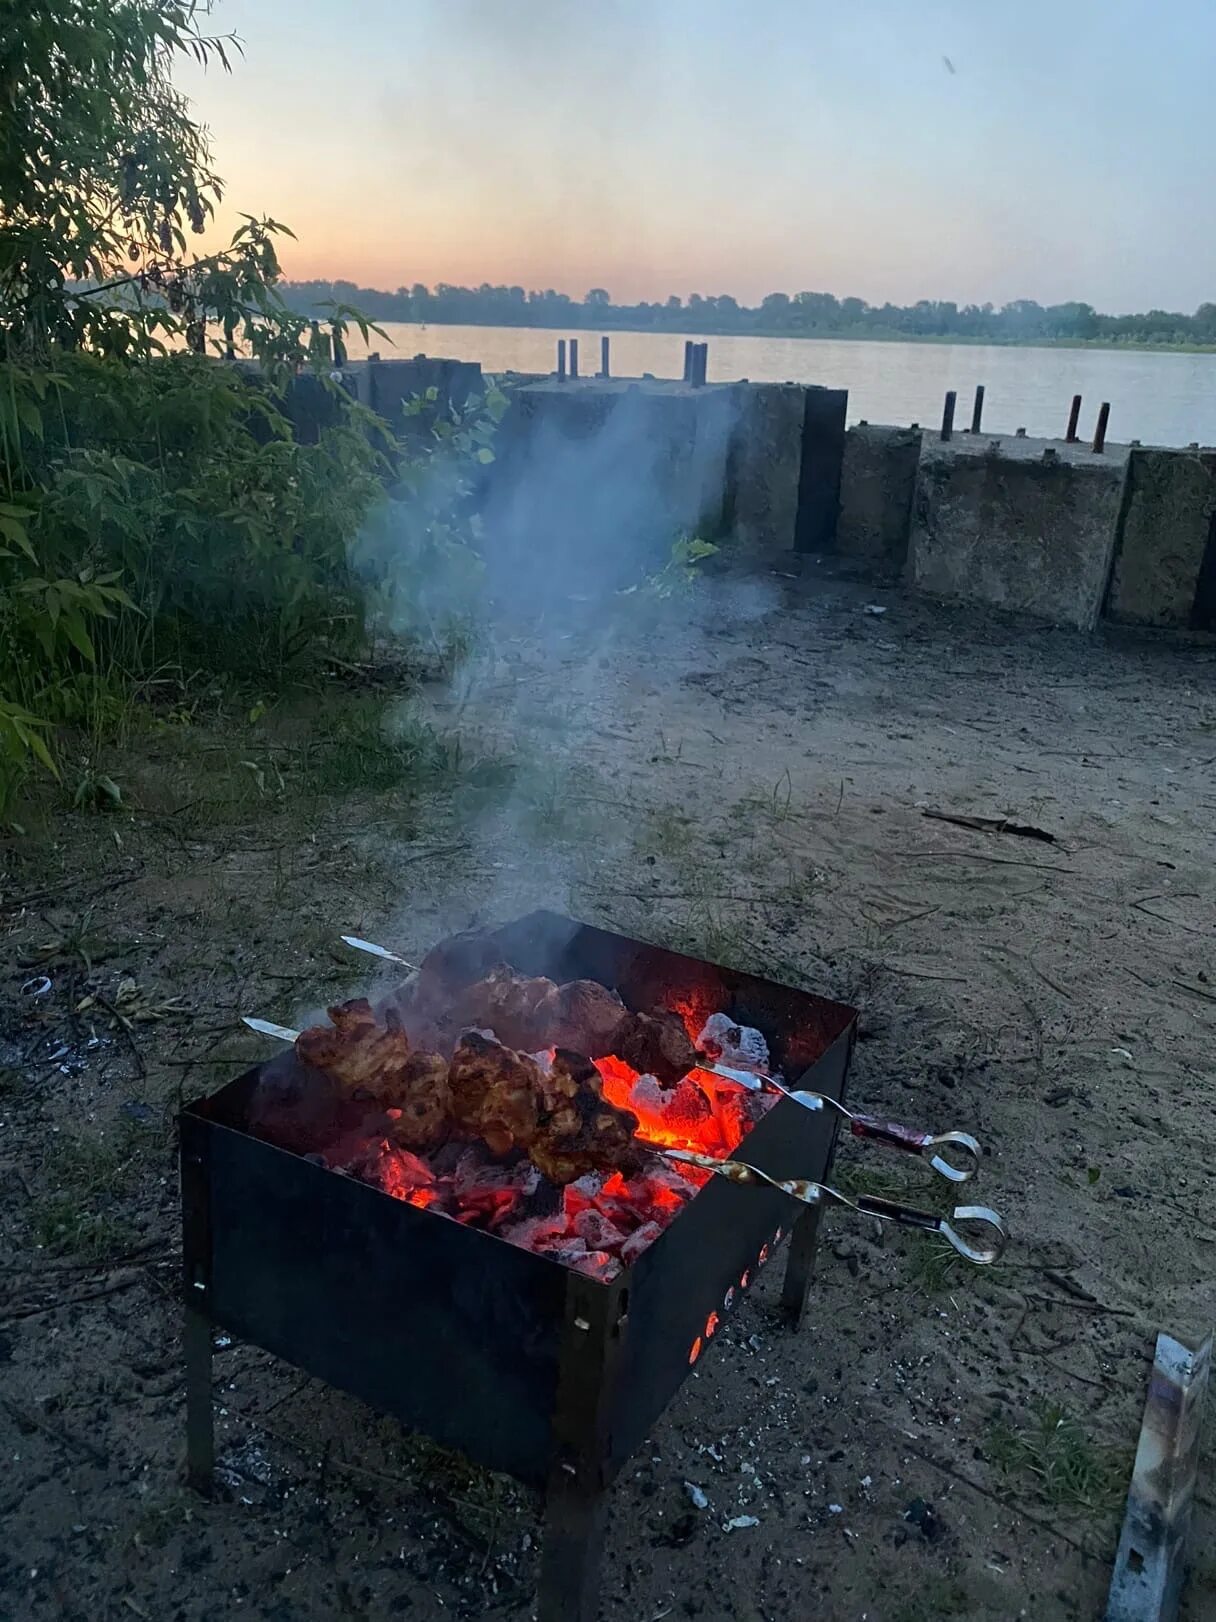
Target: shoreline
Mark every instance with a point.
(929, 339)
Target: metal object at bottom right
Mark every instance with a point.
(1151, 1561)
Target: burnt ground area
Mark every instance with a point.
(937, 1441)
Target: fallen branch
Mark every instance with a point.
(1083, 1306)
(993, 825)
(36, 897)
(34, 1421)
(1196, 991)
(979, 856)
(995, 1498)
(75, 1300)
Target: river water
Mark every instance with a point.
(1159, 398)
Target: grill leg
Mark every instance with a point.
(572, 1544)
(800, 1266)
(200, 1426)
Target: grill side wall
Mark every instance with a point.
(454, 1332)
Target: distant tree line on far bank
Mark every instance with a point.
(798, 315)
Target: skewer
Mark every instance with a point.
(378, 951)
(896, 1136)
(905, 1216)
(266, 1027)
(800, 1188)
(907, 1139)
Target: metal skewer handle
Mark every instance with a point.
(983, 1252)
(967, 1152)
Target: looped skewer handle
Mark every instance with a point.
(983, 1254)
(967, 1152)
(906, 1216)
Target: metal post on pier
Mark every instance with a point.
(574, 357)
(977, 410)
(689, 346)
(561, 360)
(948, 413)
(1100, 431)
(1074, 417)
(604, 371)
(699, 366)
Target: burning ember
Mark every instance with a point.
(534, 1111)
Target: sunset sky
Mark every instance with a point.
(1066, 148)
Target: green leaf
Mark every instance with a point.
(74, 628)
(38, 749)
(15, 532)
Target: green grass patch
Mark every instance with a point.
(75, 1214)
(1056, 1454)
(63, 1224)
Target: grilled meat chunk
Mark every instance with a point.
(358, 1051)
(495, 1092)
(521, 1012)
(424, 1101)
(578, 1130)
(368, 1060)
(588, 1017)
(655, 1045)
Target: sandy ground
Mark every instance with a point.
(937, 1441)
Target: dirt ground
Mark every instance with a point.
(937, 1441)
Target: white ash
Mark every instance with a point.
(648, 1097)
(741, 1047)
(638, 1241)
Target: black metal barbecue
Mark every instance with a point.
(517, 1361)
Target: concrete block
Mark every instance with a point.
(385, 385)
(877, 482)
(1027, 526)
(766, 465)
(1168, 514)
(594, 479)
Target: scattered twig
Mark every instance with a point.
(398, 1482)
(1085, 1379)
(980, 856)
(995, 1498)
(993, 825)
(686, 895)
(1196, 991)
(1084, 1306)
(1068, 1285)
(36, 897)
(1175, 923)
(124, 1027)
(887, 925)
(47, 1269)
(426, 855)
(75, 1300)
(35, 1421)
(917, 974)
